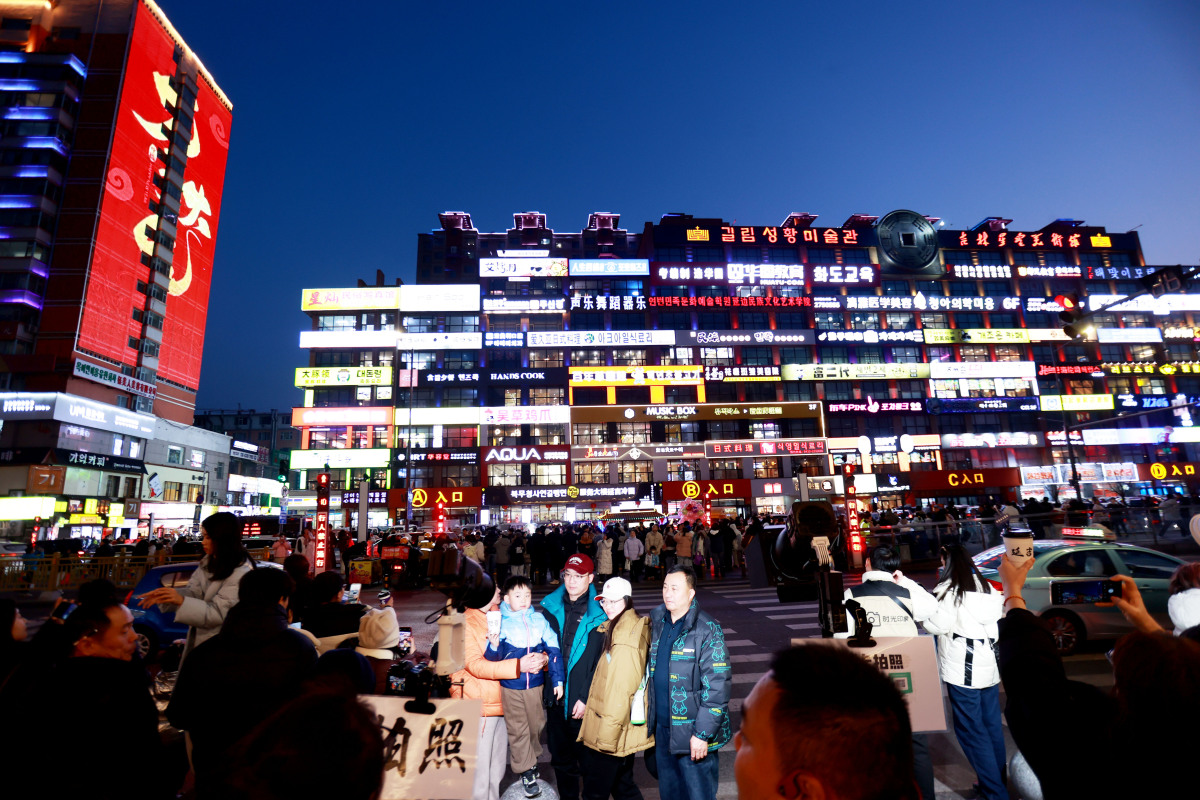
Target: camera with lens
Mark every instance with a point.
(416, 679)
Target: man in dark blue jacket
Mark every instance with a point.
(573, 613)
(691, 681)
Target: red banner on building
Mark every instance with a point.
(963, 481)
(738, 489)
(429, 497)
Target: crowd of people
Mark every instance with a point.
(272, 710)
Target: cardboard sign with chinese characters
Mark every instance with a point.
(911, 663)
(427, 756)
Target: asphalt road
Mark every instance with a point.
(756, 625)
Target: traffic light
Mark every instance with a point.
(1072, 312)
(1165, 281)
(285, 468)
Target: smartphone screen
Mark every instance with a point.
(352, 595)
(1066, 593)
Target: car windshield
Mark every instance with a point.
(990, 559)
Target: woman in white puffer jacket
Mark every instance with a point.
(966, 628)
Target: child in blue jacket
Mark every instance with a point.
(523, 631)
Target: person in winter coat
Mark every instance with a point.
(965, 624)
(378, 635)
(609, 737)
(479, 679)
(654, 538)
(1183, 604)
(687, 693)
(280, 549)
(523, 631)
(213, 588)
(572, 613)
(604, 556)
(683, 547)
(502, 547)
(238, 677)
(634, 550)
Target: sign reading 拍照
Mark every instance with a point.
(911, 664)
(427, 755)
(128, 383)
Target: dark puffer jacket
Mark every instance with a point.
(700, 682)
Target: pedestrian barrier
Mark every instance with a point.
(60, 572)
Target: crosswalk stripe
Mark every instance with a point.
(728, 630)
(748, 658)
(766, 589)
(804, 626)
(796, 615)
(739, 643)
(746, 677)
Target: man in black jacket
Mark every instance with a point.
(237, 678)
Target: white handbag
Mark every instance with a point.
(637, 709)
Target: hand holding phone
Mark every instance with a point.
(1078, 592)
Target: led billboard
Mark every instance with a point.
(127, 227)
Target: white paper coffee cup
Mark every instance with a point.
(1019, 546)
(493, 619)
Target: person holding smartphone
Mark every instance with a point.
(480, 680)
(965, 624)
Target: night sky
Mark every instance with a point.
(353, 126)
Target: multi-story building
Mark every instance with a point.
(107, 254)
(550, 375)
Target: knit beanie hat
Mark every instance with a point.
(378, 630)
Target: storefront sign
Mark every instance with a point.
(504, 339)
(844, 275)
(694, 411)
(979, 272)
(463, 340)
(1148, 304)
(422, 298)
(355, 415)
(854, 372)
(450, 496)
(766, 447)
(1046, 370)
(873, 406)
(45, 480)
(349, 339)
(445, 455)
(621, 452)
(726, 301)
(524, 305)
(377, 497)
(76, 410)
(918, 302)
(352, 299)
(608, 267)
(1077, 402)
(604, 302)
(1047, 335)
(581, 492)
(18, 508)
(1096, 239)
(526, 454)
(747, 337)
(1038, 476)
(637, 376)
(976, 336)
(99, 374)
(961, 441)
(944, 370)
(1177, 368)
(74, 458)
(1168, 471)
(973, 405)
(431, 378)
(341, 459)
(1188, 333)
(872, 337)
(556, 375)
(741, 374)
(1128, 335)
(463, 415)
(343, 376)
(600, 338)
(525, 415)
(964, 481)
(522, 268)
(1147, 402)
(707, 490)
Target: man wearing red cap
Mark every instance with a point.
(573, 615)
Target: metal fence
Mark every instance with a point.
(66, 572)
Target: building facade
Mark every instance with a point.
(106, 255)
(547, 375)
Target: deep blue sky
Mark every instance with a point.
(353, 126)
